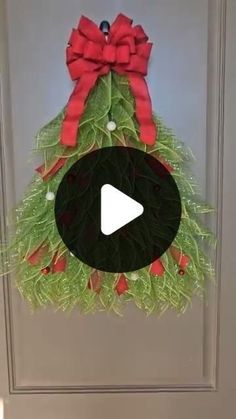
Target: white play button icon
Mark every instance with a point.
(117, 209)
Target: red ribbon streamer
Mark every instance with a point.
(58, 263)
(90, 55)
(157, 268)
(47, 173)
(181, 259)
(122, 285)
(37, 255)
(95, 282)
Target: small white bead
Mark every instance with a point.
(50, 196)
(111, 126)
(72, 254)
(134, 276)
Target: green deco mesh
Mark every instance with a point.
(33, 221)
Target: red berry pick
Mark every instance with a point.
(181, 272)
(45, 270)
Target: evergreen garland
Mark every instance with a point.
(79, 285)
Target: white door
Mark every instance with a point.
(57, 366)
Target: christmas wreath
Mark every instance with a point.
(109, 106)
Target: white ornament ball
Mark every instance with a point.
(111, 126)
(134, 276)
(50, 196)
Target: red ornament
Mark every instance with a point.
(95, 282)
(181, 272)
(122, 285)
(157, 268)
(46, 270)
(58, 263)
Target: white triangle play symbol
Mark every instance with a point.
(117, 209)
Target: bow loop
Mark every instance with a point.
(130, 41)
(123, 54)
(93, 51)
(120, 20)
(139, 34)
(90, 55)
(123, 32)
(90, 30)
(109, 54)
(79, 67)
(144, 50)
(77, 43)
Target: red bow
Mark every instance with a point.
(90, 55)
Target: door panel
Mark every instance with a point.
(61, 364)
(104, 350)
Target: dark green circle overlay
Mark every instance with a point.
(78, 209)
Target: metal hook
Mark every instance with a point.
(105, 27)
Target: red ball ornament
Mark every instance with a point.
(181, 272)
(45, 270)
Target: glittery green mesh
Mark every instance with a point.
(34, 223)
